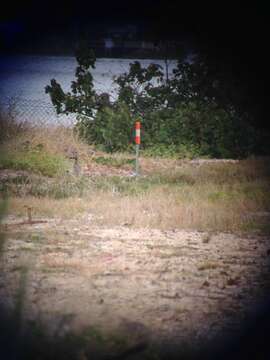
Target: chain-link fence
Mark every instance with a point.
(33, 111)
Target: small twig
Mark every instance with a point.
(6, 226)
(29, 220)
(171, 297)
(29, 214)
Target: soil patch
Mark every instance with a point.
(151, 284)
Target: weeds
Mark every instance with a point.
(34, 160)
(114, 161)
(10, 128)
(55, 188)
(187, 198)
(170, 193)
(66, 208)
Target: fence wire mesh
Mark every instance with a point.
(33, 111)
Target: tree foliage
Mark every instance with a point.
(82, 99)
(198, 108)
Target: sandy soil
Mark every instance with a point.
(145, 283)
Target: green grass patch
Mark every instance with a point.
(113, 161)
(34, 160)
(59, 187)
(140, 185)
(181, 151)
(216, 196)
(125, 186)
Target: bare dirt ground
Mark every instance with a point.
(143, 283)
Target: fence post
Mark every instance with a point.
(137, 141)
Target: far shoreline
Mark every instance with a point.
(131, 56)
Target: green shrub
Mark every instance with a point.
(197, 129)
(182, 151)
(111, 127)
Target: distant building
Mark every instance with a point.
(108, 43)
(129, 41)
(148, 45)
(127, 32)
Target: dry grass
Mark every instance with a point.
(208, 265)
(162, 209)
(54, 139)
(10, 129)
(203, 206)
(49, 208)
(171, 194)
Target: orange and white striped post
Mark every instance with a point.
(137, 142)
(138, 133)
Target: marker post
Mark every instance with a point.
(137, 142)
